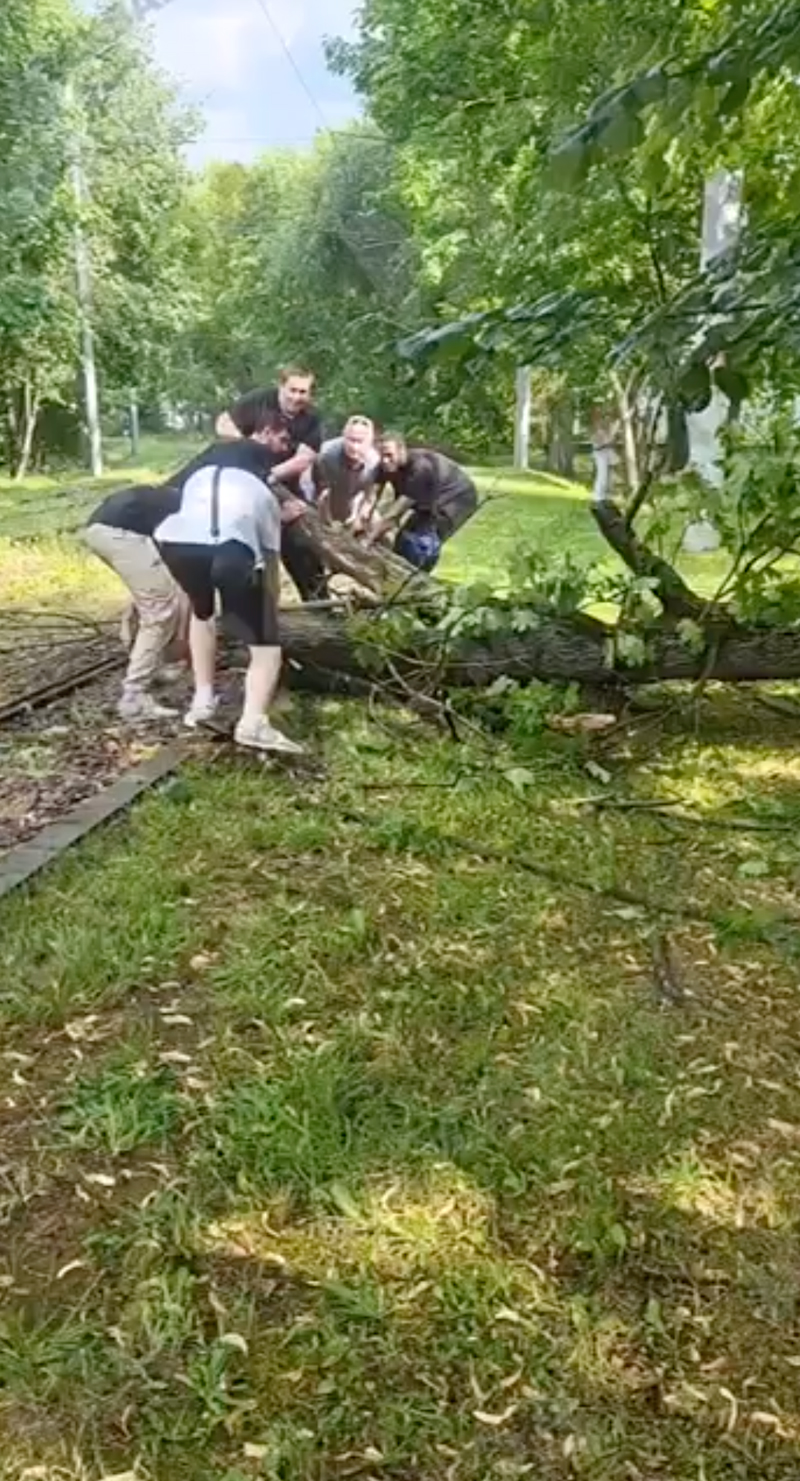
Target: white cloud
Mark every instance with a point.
(256, 70)
(222, 43)
(210, 44)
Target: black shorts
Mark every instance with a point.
(249, 603)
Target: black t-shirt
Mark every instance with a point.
(142, 508)
(305, 429)
(432, 483)
(250, 457)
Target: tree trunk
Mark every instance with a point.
(318, 644)
(377, 570)
(561, 446)
(31, 417)
(133, 416)
(626, 403)
(675, 596)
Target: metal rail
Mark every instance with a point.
(36, 699)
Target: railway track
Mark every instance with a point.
(40, 695)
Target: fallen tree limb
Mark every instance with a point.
(557, 652)
(529, 865)
(377, 569)
(675, 596)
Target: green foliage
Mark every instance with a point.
(125, 1105)
(79, 90)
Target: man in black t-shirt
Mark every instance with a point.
(120, 532)
(433, 497)
(292, 398)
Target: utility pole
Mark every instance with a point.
(522, 421)
(83, 279)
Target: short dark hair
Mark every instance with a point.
(298, 372)
(256, 412)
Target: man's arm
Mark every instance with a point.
(291, 507)
(268, 521)
(322, 491)
(391, 518)
(298, 464)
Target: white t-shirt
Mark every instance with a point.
(247, 512)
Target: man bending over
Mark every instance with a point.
(433, 497)
(346, 473)
(224, 542)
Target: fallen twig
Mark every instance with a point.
(491, 855)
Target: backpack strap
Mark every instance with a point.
(215, 483)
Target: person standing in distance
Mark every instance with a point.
(224, 541)
(292, 398)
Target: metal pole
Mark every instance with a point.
(522, 421)
(133, 413)
(83, 279)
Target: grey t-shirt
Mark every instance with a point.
(345, 480)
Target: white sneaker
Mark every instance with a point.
(138, 705)
(262, 736)
(199, 713)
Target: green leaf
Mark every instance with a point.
(631, 650)
(695, 387)
(345, 1202)
(731, 383)
(520, 779)
(623, 130)
(692, 636)
(735, 97)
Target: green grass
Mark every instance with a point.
(41, 561)
(331, 1148)
(40, 518)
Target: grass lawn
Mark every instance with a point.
(332, 1148)
(39, 519)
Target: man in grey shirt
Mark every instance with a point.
(347, 469)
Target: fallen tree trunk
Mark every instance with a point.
(558, 652)
(324, 655)
(376, 569)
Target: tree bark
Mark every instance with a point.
(675, 596)
(560, 442)
(318, 643)
(31, 416)
(377, 570)
(626, 403)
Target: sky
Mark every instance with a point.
(256, 69)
